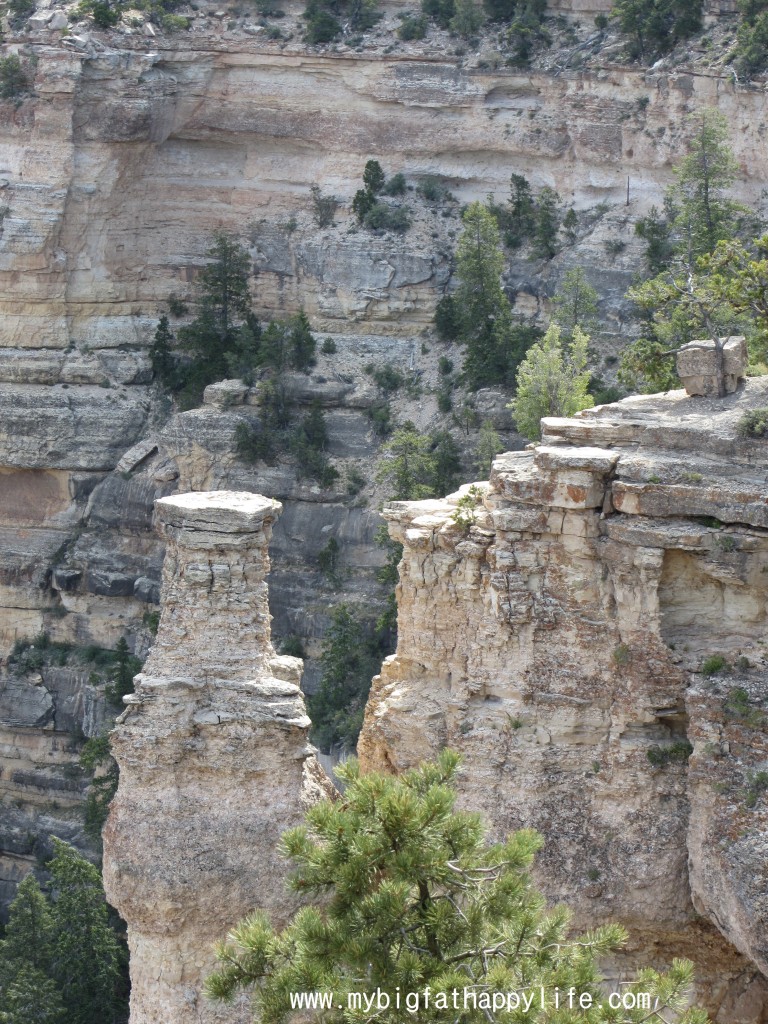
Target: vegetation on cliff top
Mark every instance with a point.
(709, 284)
(411, 900)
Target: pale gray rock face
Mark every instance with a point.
(697, 366)
(214, 760)
(556, 638)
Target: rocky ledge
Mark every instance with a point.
(589, 628)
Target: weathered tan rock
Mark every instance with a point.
(697, 366)
(728, 832)
(554, 643)
(214, 760)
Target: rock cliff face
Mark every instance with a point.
(128, 153)
(214, 760)
(559, 634)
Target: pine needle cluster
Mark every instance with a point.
(408, 895)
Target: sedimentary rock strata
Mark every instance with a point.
(556, 635)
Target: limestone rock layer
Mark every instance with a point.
(214, 760)
(556, 634)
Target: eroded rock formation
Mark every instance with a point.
(214, 760)
(557, 635)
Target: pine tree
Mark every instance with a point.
(704, 212)
(29, 996)
(575, 303)
(29, 935)
(547, 223)
(408, 464)
(121, 676)
(523, 211)
(224, 306)
(302, 342)
(494, 345)
(446, 463)
(686, 302)
(413, 900)
(161, 356)
(87, 955)
(363, 202)
(348, 662)
(488, 447)
(374, 177)
(96, 757)
(551, 381)
(655, 26)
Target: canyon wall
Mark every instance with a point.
(130, 150)
(560, 634)
(214, 760)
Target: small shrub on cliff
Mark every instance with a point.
(323, 207)
(757, 784)
(713, 665)
(414, 903)
(397, 185)
(19, 11)
(467, 18)
(294, 646)
(737, 706)
(322, 27)
(489, 444)
(105, 15)
(674, 753)
(386, 377)
(751, 51)
(441, 11)
(255, 444)
(655, 26)
(13, 80)
(381, 217)
(322, 18)
(753, 424)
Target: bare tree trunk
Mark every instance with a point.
(720, 354)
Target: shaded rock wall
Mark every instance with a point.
(214, 760)
(559, 639)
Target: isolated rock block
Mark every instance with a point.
(697, 366)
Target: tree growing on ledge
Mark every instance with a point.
(552, 381)
(413, 901)
(495, 345)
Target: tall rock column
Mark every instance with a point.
(214, 760)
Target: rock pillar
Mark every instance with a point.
(214, 760)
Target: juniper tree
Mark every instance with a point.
(553, 380)
(412, 899)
